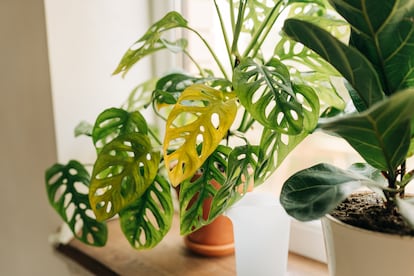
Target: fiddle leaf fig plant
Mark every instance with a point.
(205, 118)
(378, 66)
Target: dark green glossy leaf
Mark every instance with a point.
(67, 189)
(314, 192)
(199, 191)
(272, 99)
(359, 72)
(152, 41)
(381, 134)
(123, 171)
(146, 221)
(383, 31)
(114, 122)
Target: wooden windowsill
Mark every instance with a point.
(170, 257)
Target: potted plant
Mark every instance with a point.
(378, 68)
(207, 118)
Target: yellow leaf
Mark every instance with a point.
(195, 127)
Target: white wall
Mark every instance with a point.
(86, 39)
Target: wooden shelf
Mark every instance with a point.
(170, 257)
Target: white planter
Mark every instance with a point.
(353, 251)
(261, 235)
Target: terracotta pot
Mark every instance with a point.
(215, 239)
(355, 251)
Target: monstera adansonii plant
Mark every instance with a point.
(207, 117)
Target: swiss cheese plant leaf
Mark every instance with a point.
(385, 35)
(83, 128)
(352, 64)
(148, 219)
(67, 190)
(152, 41)
(123, 171)
(195, 127)
(316, 191)
(242, 162)
(381, 134)
(275, 147)
(140, 96)
(196, 194)
(114, 122)
(267, 92)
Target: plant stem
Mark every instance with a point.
(237, 29)
(216, 59)
(256, 42)
(154, 136)
(223, 31)
(195, 63)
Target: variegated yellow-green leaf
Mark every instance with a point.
(195, 127)
(123, 171)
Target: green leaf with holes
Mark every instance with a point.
(146, 221)
(152, 41)
(267, 92)
(140, 97)
(196, 194)
(67, 189)
(123, 171)
(115, 122)
(242, 162)
(202, 116)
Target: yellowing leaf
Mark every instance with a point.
(195, 127)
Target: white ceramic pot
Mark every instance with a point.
(353, 251)
(261, 235)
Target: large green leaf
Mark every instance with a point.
(383, 31)
(67, 189)
(314, 192)
(152, 41)
(353, 65)
(123, 171)
(114, 122)
(272, 99)
(381, 134)
(202, 116)
(196, 193)
(147, 220)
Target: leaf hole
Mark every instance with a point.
(215, 120)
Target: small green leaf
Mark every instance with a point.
(67, 189)
(316, 191)
(114, 122)
(146, 221)
(202, 116)
(140, 96)
(83, 128)
(152, 41)
(381, 134)
(123, 171)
